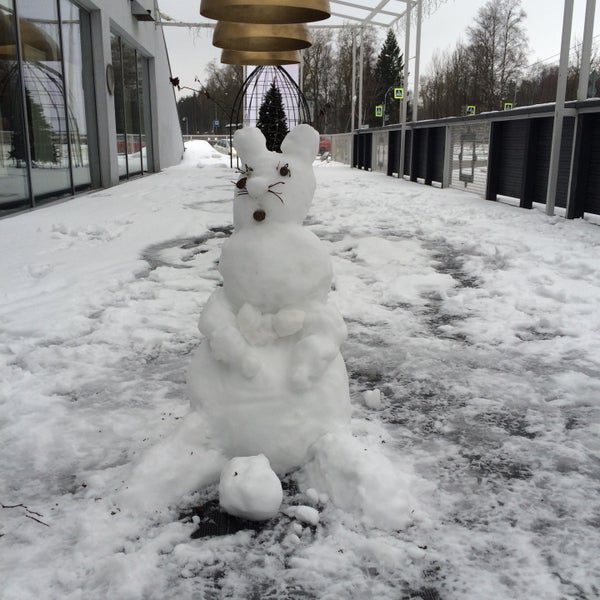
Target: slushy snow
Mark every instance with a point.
(477, 321)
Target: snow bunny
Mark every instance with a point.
(269, 377)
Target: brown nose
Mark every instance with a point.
(259, 215)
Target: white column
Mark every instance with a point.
(404, 104)
(417, 60)
(559, 109)
(586, 50)
(353, 91)
(360, 80)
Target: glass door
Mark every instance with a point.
(131, 108)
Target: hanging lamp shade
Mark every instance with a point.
(241, 57)
(258, 37)
(266, 11)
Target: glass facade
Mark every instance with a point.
(14, 180)
(131, 112)
(46, 106)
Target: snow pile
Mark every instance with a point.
(201, 154)
(488, 364)
(250, 489)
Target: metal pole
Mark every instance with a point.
(353, 92)
(586, 50)
(360, 79)
(404, 103)
(559, 109)
(417, 60)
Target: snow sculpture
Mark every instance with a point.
(269, 377)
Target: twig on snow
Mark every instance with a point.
(28, 512)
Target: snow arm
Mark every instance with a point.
(227, 344)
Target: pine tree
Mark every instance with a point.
(389, 72)
(42, 145)
(41, 136)
(272, 120)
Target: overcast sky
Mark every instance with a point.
(191, 50)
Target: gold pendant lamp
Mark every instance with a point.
(238, 57)
(260, 37)
(266, 11)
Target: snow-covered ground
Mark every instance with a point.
(479, 323)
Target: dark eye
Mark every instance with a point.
(285, 171)
(241, 183)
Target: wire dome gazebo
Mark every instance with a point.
(252, 94)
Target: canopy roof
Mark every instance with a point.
(381, 13)
(384, 13)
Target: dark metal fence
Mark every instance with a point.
(497, 154)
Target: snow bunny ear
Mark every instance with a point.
(249, 142)
(303, 142)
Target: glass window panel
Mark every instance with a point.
(44, 97)
(132, 109)
(142, 65)
(73, 61)
(14, 188)
(115, 43)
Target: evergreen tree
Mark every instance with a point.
(41, 136)
(43, 148)
(272, 120)
(389, 69)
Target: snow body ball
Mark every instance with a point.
(250, 489)
(269, 376)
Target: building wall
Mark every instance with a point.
(107, 151)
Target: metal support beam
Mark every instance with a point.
(361, 60)
(353, 92)
(559, 109)
(404, 104)
(415, 104)
(586, 50)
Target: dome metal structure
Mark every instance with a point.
(246, 107)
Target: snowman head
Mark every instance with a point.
(274, 187)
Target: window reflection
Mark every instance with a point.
(44, 97)
(14, 189)
(43, 121)
(119, 105)
(142, 70)
(73, 60)
(132, 112)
